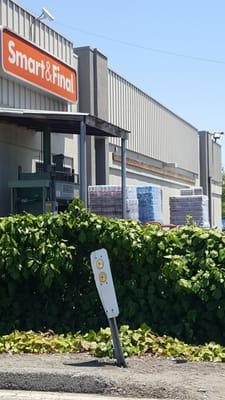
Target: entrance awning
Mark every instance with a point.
(71, 123)
(61, 122)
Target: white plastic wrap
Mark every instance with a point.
(106, 200)
(192, 191)
(195, 206)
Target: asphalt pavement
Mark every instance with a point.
(80, 376)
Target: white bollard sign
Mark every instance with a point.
(104, 282)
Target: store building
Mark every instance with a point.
(162, 147)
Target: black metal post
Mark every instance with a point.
(116, 343)
(83, 163)
(46, 149)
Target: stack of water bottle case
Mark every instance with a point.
(149, 203)
(191, 203)
(142, 203)
(106, 200)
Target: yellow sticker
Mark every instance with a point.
(102, 277)
(99, 263)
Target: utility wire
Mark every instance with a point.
(138, 46)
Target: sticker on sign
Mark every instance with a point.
(104, 282)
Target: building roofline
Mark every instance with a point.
(154, 100)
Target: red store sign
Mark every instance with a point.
(27, 62)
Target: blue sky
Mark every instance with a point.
(192, 88)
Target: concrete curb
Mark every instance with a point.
(54, 381)
(85, 383)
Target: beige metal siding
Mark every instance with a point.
(216, 211)
(15, 95)
(215, 164)
(215, 161)
(155, 131)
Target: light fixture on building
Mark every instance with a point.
(216, 135)
(45, 14)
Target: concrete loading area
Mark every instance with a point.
(40, 191)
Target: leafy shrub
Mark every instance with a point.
(173, 280)
(134, 342)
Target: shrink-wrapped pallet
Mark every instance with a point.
(106, 200)
(191, 191)
(150, 203)
(183, 207)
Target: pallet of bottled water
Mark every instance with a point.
(106, 200)
(184, 207)
(191, 191)
(150, 203)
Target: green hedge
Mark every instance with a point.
(172, 280)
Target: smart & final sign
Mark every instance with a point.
(27, 62)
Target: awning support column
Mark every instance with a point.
(123, 176)
(83, 163)
(46, 149)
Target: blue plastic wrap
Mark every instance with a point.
(150, 203)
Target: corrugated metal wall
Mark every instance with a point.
(23, 23)
(15, 95)
(215, 161)
(155, 131)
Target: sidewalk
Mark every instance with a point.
(145, 376)
(23, 395)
